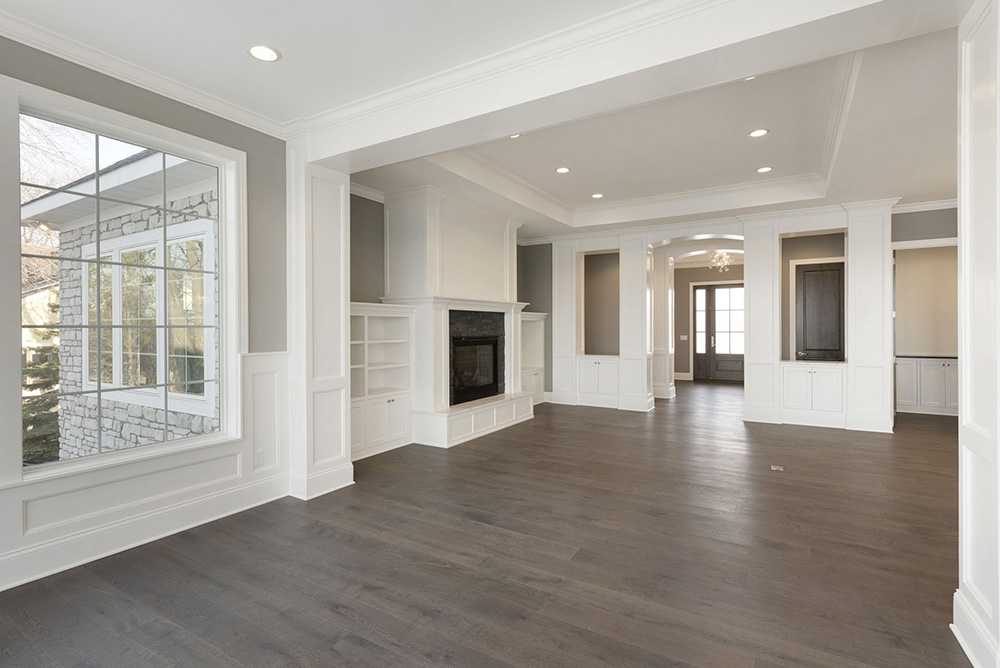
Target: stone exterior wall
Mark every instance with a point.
(123, 424)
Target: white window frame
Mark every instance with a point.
(18, 97)
(203, 405)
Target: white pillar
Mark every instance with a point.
(635, 387)
(564, 321)
(977, 600)
(762, 283)
(318, 327)
(869, 316)
(663, 324)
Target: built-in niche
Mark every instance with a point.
(813, 297)
(601, 310)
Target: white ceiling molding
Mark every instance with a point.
(484, 172)
(926, 206)
(848, 70)
(57, 45)
(536, 241)
(367, 193)
(743, 195)
(944, 242)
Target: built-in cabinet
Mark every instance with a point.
(597, 381)
(381, 378)
(813, 394)
(927, 385)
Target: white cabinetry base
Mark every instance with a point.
(464, 422)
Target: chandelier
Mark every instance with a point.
(721, 260)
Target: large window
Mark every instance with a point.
(120, 299)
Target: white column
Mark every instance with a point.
(977, 600)
(318, 327)
(662, 325)
(564, 322)
(635, 387)
(762, 282)
(869, 316)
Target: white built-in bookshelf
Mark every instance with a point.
(380, 350)
(533, 354)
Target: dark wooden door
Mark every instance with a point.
(718, 332)
(819, 311)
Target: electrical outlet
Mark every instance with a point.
(258, 458)
(684, 337)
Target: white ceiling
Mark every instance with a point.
(894, 124)
(334, 53)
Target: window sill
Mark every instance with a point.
(108, 460)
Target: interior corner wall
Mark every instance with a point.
(927, 302)
(265, 170)
(367, 250)
(920, 225)
(534, 285)
(683, 278)
(601, 304)
(802, 248)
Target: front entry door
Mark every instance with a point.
(718, 332)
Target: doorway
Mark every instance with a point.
(719, 326)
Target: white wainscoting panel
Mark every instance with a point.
(761, 272)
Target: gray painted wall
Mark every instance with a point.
(601, 304)
(534, 285)
(683, 278)
(941, 224)
(265, 170)
(802, 248)
(367, 250)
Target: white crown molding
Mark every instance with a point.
(848, 71)
(918, 207)
(55, 44)
(941, 242)
(599, 30)
(721, 198)
(534, 241)
(367, 193)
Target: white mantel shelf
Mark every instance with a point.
(458, 304)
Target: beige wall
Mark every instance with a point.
(927, 302)
(801, 248)
(265, 170)
(601, 304)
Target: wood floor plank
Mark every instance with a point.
(582, 538)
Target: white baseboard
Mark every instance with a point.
(664, 391)
(882, 425)
(49, 558)
(814, 419)
(636, 404)
(683, 376)
(919, 410)
(972, 635)
(564, 398)
(379, 449)
(318, 484)
(767, 415)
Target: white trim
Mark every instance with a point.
(323, 482)
(53, 43)
(792, 264)
(367, 193)
(535, 241)
(943, 242)
(917, 207)
(691, 287)
(683, 376)
(848, 71)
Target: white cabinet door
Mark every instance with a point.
(607, 377)
(358, 426)
(951, 384)
(906, 383)
(531, 381)
(378, 421)
(827, 389)
(587, 377)
(399, 417)
(933, 383)
(796, 387)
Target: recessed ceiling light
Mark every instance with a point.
(759, 133)
(597, 195)
(763, 170)
(514, 136)
(562, 170)
(751, 78)
(265, 53)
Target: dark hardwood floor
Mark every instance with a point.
(586, 537)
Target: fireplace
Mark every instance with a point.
(477, 355)
(474, 368)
